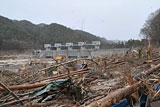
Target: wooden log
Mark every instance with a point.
(46, 104)
(17, 101)
(156, 67)
(10, 92)
(116, 96)
(40, 84)
(86, 69)
(61, 64)
(25, 86)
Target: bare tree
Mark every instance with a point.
(151, 29)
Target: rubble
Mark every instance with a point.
(92, 82)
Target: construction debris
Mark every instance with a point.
(104, 81)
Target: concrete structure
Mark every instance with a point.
(68, 51)
(57, 45)
(97, 47)
(83, 48)
(81, 43)
(77, 53)
(47, 46)
(70, 48)
(58, 48)
(69, 45)
(96, 43)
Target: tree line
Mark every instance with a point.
(151, 28)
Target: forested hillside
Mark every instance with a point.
(24, 35)
(21, 35)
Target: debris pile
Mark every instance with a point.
(104, 81)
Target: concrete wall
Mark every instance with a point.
(109, 52)
(81, 53)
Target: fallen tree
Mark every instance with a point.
(40, 84)
(116, 96)
(156, 67)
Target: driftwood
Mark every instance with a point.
(116, 96)
(61, 64)
(64, 75)
(98, 98)
(9, 91)
(48, 103)
(40, 84)
(16, 102)
(156, 67)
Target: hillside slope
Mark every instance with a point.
(21, 35)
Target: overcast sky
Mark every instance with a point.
(112, 19)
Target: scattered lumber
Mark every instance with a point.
(40, 84)
(67, 62)
(16, 102)
(93, 83)
(116, 96)
(10, 92)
